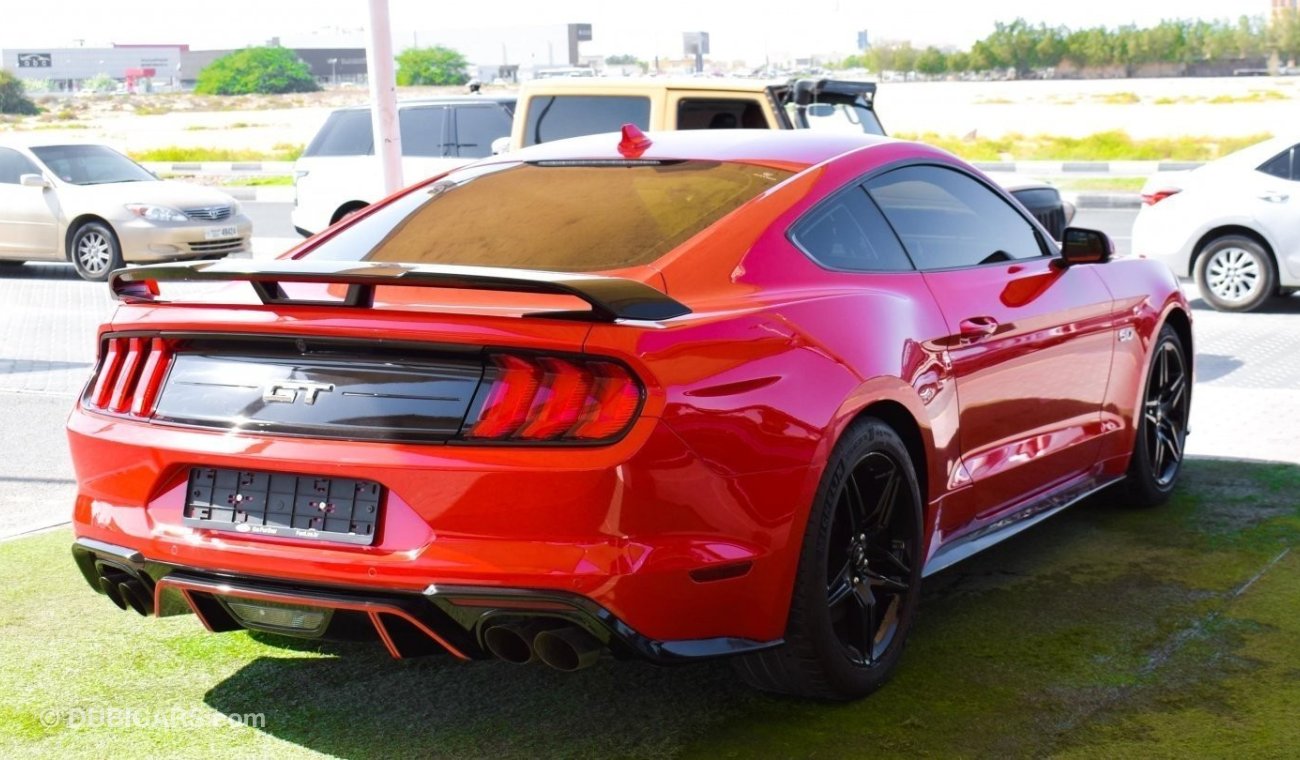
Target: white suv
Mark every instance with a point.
(336, 174)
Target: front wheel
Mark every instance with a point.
(1235, 273)
(1162, 423)
(95, 251)
(859, 575)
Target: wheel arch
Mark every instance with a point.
(901, 421)
(1182, 324)
(77, 223)
(346, 208)
(1225, 230)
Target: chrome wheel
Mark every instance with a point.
(94, 252)
(1234, 274)
(871, 554)
(1164, 411)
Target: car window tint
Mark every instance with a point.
(848, 232)
(947, 219)
(424, 131)
(345, 133)
(564, 216)
(13, 165)
(1282, 165)
(477, 127)
(720, 113)
(555, 117)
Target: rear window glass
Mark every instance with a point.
(345, 133)
(850, 233)
(556, 117)
(1281, 165)
(581, 216)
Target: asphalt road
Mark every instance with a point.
(1248, 373)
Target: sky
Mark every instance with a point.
(751, 30)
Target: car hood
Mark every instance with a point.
(161, 193)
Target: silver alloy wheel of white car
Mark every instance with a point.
(1233, 274)
(94, 252)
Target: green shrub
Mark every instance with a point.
(432, 65)
(13, 96)
(256, 70)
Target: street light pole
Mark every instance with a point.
(383, 97)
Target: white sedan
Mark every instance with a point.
(1233, 224)
(95, 207)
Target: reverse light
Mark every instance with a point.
(156, 213)
(129, 377)
(1151, 199)
(552, 399)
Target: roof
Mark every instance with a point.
(37, 140)
(442, 100)
(798, 146)
(655, 83)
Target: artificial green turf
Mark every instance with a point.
(1105, 632)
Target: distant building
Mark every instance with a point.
(512, 53)
(66, 69)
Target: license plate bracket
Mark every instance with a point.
(309, 507)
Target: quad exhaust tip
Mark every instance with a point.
(555, 643)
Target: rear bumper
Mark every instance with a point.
(450, 618)
(642, 529)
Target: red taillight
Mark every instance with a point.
(553, 399)
(130, 375)
(1151, 199)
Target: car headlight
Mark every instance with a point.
(156, 213)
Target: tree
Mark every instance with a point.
(431, 65)
(932, 61)
(626, 59)
(13, 97)
(256, 70)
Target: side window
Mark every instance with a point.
(1283, 165)
(555, 117)
(477, 127)
(849, 233)
(947, 219)
(14, 165)
(424, 131)
(345, 133)
(720, 113)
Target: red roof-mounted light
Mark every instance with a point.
(634, 142)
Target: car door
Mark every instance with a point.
(28, 215)
(1274, 196)
(1029, 342)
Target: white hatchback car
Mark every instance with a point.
(93, 206)
(337, 176)
(1233, 224)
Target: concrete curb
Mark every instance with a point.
(275, 194)
(1106, 200)
(222, 168)
(1089, 168)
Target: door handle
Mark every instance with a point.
(1273, 196)
(977, 328)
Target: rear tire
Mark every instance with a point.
(1235, 273)
(859, 575)
(94, 251)
(1161, 423)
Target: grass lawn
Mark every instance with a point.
(1105, 632)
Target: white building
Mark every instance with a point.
(66, 68)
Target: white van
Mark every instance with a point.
(337, 173)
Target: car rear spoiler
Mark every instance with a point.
(610, 298)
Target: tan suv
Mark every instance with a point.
(553, 109)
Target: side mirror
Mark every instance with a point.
(821, 110)
(1080, 246)
(501, 145)
(33, 180)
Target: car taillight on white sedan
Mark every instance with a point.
(1151, 199)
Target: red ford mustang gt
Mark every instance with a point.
(673, 397)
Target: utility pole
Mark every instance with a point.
(383, 97)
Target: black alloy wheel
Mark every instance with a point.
(1162, 425)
